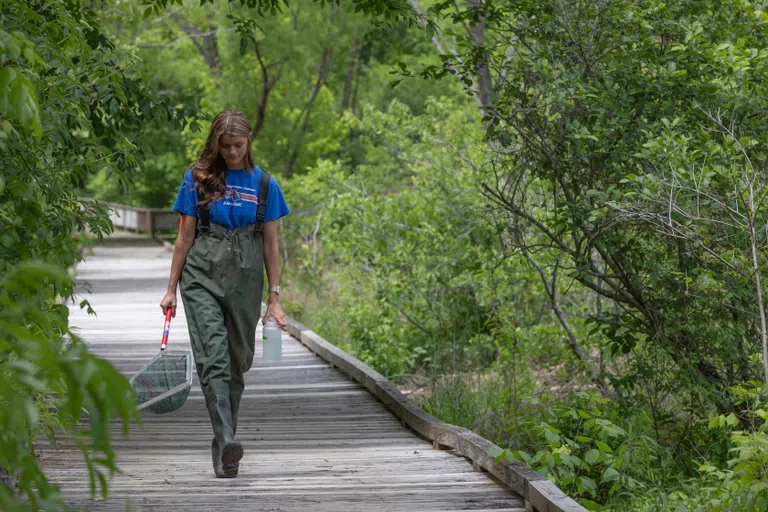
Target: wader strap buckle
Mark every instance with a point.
(261, 211)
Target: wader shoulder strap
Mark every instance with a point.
(204, 213)
(261, 211)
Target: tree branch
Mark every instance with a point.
(206, 44)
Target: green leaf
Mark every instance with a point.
(515, 455)
(592, 456)
(495, 452)
(588, 485)
(610, 475)
(589, 504)
(17, 100)
(603, 447)
(551, 436)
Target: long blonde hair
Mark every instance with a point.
(210, 170)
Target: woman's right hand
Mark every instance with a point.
(169, 301)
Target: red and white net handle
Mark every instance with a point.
(166, 328)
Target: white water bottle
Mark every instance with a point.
(273, 341)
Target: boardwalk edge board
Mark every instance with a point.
(540, 494)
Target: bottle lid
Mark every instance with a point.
(271, 323)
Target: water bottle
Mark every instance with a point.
(273, 341)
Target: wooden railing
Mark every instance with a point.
(142, 220)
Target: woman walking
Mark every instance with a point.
(227, 236)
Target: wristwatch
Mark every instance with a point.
(275, 289)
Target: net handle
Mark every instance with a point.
(166, 328)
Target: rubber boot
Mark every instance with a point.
(216, 456)
(220, 412)
(235, 394)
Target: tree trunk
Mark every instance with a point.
(322, 75)
(758, 285)
(357, 80)
(483, 87)
(266, 88)
(354, 55)
(551, 290)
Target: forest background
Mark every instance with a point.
(545, 220)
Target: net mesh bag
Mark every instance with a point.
(163, 384)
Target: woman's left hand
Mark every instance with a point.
(275, 311)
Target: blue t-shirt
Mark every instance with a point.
(238, 206)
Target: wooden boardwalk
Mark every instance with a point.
(314, 440)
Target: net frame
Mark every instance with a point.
(174, 390)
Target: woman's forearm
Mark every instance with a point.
(184, 241)
(177, 263)
(271, 255)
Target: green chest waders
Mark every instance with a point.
(221, 287)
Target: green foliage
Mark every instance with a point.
(742, 483)
(45, 368)
(69, 108)
(388, 9)
(575, 111)
(401, 228)
(739, 480)
(92, 110)
(611, 158)
(497, 404)
(609, 463)
(587, 455)
(245, 50)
